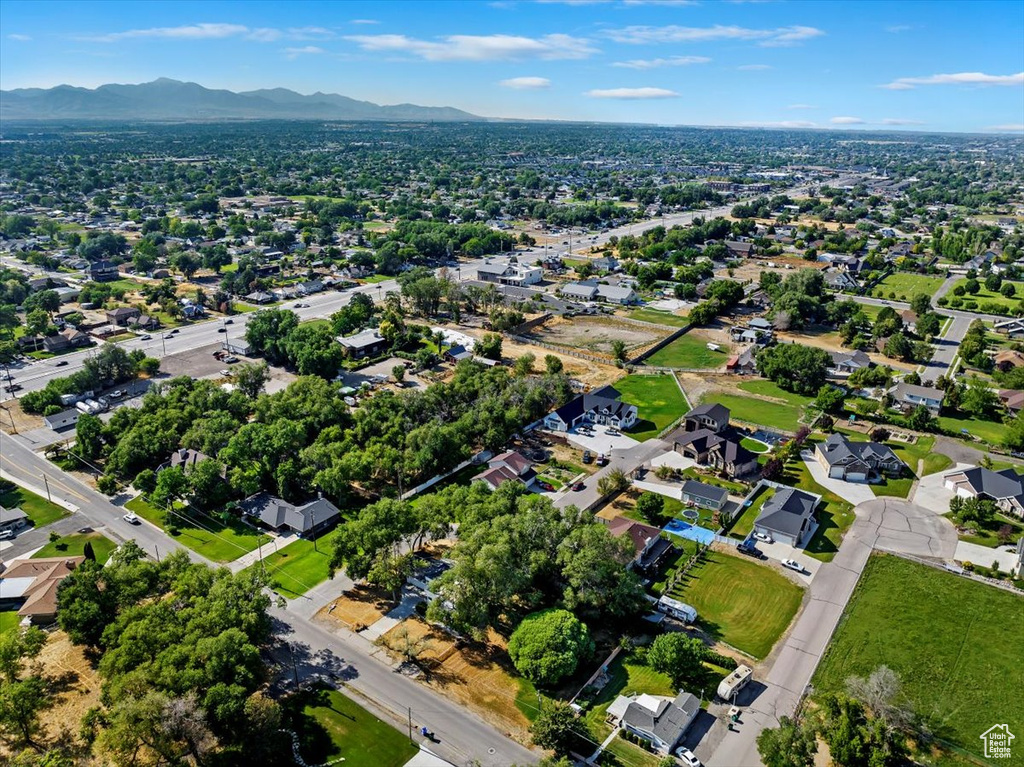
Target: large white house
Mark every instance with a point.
(602, 406)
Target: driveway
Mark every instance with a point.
(909, 528)
(983, 556)
(779, 551)
(601, 441)
(673, 459)
(854, 492)
(931, 493)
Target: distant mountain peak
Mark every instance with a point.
(168, 99)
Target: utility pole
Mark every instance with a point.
(47, 484)
(295, 668)
(410, 726)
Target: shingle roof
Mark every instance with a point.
(700, 490)
(277, 512)
(786, 511)
(837, 448)
(714, 411)
(996, 484)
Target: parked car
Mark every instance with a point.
(764, 537)
(792, 564)
(146, 337)
(578, 486)
(131, 518)
(6, 535)
(546, 486)
(231, 360)
(612, 431)
(588, 457)
(173, 332)
(225, 372)
(60, 363)
(229, 321)
(687, 757)
(116, 394)
(750, 551)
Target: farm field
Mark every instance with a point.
(945, 636)
(740, 602)
(658, 400)
(689, 351)
(72, 546)
(907, 285)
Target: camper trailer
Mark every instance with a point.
(677, 609)
(735, 682)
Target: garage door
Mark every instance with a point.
(856, 476)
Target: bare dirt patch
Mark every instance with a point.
(620, 505)
(80, 690)
(16, 419)
(357, 608)
(596, 334)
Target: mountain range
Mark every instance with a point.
(166, 99)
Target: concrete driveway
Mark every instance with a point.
(673, 459)
(601, 441)
(983, 556)
(931, 493)
(778, 551)
(854, 492)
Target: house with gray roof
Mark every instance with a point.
(579, 291)
(1005, 488)
(658, 718)
(788, 516)
(705, 496)
(856, 461)
(844, 363)
(602, 406)
(366, 343)
(617, 294)
(713, 417)
(278, 514)
(906, 397)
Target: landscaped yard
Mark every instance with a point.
(689, 351)
(740, 602)
(203, 533)
(8, 620)
(744, 525)
(39, 510)
(72, 546)
(947, 637)
(988, 535)
(985, 296)
(331, 725)
(300, 566)
(834, 515)
(659, 317)
(907, 285)
(774, 415)
(993, 432)
(658, 399)
(754, 446)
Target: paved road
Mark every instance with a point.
(626, 460)
(884, 523)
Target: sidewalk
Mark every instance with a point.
(273, 545)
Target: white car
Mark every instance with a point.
(131, 518)
(226, 373)
(146, 337)
(6, 535)
(792, 564)
(687, 757)
(763, 537)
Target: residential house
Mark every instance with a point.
(602, 406)
(660, 719)
(579, 291)
(30, 585)
(62, 420)
(909, 320)
(103, 271)
(1007, 359)
(705, 496)
(510, 466)
(906, 397)
(145, 322)
(1005, 488)
(366, 343)
(716, 451)
(260, 297)
(740, 249)
(309, 287)
(617, 294)
(183, 458)
(840, 279)
(605, 263)
(13, 519)
(747, 334)
(277, 514)
(45, 283)
(788, 516)
(1012, 400)
(456, 354)
(648, 544)
(1010, 328)
(856, 461)
(123, 316)
(744, 363)
(713, 417)
(845, 363)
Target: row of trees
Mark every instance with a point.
(110, 366)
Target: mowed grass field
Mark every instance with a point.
(659, 317)
(300, 566)
(658, 400)
(39, 510)
(984, 295)
(906, 285)
(774, 415)
(955, 644)
(73, 545)
(740, 602)
(691, 352)
(203, 533)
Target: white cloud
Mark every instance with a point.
(895, 29)
(1010, 128)
(672, 61)
(779, 37)
(753, 67)
(632, 94)
(189, 32)
(310, 33)
(19, 38)
(572, 2)
(801, 106)
(364, 21)
(480, 47)
(306, 50)
(960, 78)
(846, 121)
(782, 124)
(526, 83)
(901, 121)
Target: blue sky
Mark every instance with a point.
(935, 66)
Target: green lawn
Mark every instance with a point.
(988, 535)
(331, 725)
(893, 488)
(834, 515)
(657, 397)
(754, 446)
(375, 278)
(947, 637)
(774, 415)
(689, 352)
(771, 389)
(985, 296)
(740, 602)
(992, 432)
(72, 546)
(659, 317)
(203, 533)
(300, 566)
(8, 620)
(744, 524)
(907, 285)
(39, 510)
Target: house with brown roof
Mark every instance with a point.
(509, 466)
(31, 586)
(650, 547)
(123, 315)
(1008, 359)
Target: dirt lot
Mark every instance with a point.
(80, 688)
(472, 674)
(621, 504)
(200, 363)
(356, 609)
(22, 421)
(596, 334)
(750, 269)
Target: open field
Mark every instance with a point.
(39, 510)
(993, 432)
(72, 546)
(202, 533)
(765, 388)
(739, 602)
(947, 638)
(690, 351)
(907, 285)
(658, 400)
(774, 415)
(986, 296)
(330, 725)
(80, 687)
(659, 317)
(356, 608)
(300, 566)
(595, 334)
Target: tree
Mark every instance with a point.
(920, 419)
(972, 286)
(250, 378)
(548, 646)
(171, 486)
(267, 331)
(490, 346)
(614, 481)
(88, 436)
(556, 728)
(796, 368)
(619, 350)
(979, 400)
(830, 399)
(880, 434)
(552, 364)
(680, 658)
(18, 646)
(993, 282)
(773, 469)
(928, 325)
(1008, 290)
(524, 365)
(398, 373)
(21, 702)
(791, 744)
(921, 304)
(899, 347)
(1015, 434)
(149, 365)
(650, 506)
